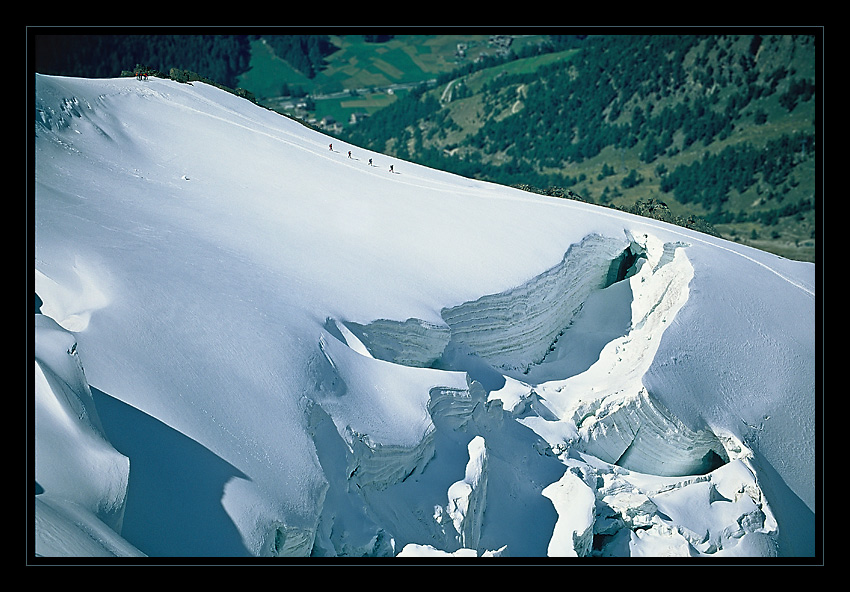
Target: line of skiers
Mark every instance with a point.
(331, 147)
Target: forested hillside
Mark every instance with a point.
(719, 127)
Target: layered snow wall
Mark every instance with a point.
(511, 330)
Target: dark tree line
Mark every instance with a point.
(218, 57)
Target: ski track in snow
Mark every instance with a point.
(808, 291)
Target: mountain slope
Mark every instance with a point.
(302, 352)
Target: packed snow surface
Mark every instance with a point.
(250, 343)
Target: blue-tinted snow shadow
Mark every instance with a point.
(606, 315)
(798, 536)
(176, 485)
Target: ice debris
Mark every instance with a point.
(631, 467)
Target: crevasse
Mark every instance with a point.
(464, 368)
(511, 330)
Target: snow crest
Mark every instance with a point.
(81, 479)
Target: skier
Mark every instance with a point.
(349, 154)
(391, 168)
(330, 147)
(370, 162)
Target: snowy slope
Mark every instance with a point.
(290, 352)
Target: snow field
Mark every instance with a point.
(350, 363)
